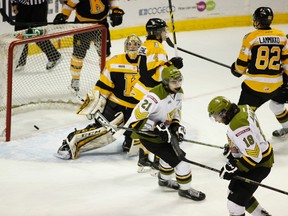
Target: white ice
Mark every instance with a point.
(34, 182)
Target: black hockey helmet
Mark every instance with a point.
(154, 26)
(262, 17)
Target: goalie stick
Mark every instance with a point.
(106, 123)
(170, 43)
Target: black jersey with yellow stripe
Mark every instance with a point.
(118, 79)
(89, 10)
(263, 57)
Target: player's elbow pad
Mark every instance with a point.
(234, 72)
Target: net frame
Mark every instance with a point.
(10, 62)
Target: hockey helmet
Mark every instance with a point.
(155, 26)
(218, 107)
(262, 17)
(132, 45)
(172, 78)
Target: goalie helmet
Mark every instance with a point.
(220, 108)
(172, 79)
(132, 45)
(155, 26)
(262, 17)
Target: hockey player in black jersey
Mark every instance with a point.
(88, 11)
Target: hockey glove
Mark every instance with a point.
(176, 61)
(234, 72)
(60, 19)
(227, 150)
(116, 17)
(229, 170)
(163, 132)
(178, 130)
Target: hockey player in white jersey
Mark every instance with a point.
(251, 155)
(160, 112)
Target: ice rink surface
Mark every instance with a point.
(105, 181)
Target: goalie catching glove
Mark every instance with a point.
(94, 102)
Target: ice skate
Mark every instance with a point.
(168, 183)
(144, 165)
(265, 213)
(64, 152)
(280, 132)
(52, 64)
(192, 194)
(75, 83)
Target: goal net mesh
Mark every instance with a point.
(33, 85)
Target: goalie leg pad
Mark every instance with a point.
(87, 139)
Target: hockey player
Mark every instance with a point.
(263, 54)
(160, 112)
(34, 12)
(278, 107)
(111, 97)
(251, 154)
(88, 11)
(153, 59)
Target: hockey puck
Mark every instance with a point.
(35, 126)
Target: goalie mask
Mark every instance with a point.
(132, 45)
(172, 79)
(262, 17)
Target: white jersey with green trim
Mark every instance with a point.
(158, 106)
(245, 135)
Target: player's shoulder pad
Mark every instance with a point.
(247, 35)
(160, 91)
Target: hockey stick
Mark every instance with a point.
(201, 143)
(181, 156)
(173, 28)
(249, 181)
(105, 123)
(100, 117)
(170, 43)
(179, 152)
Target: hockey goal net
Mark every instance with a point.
(33, 86)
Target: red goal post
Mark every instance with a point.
(36, 87)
